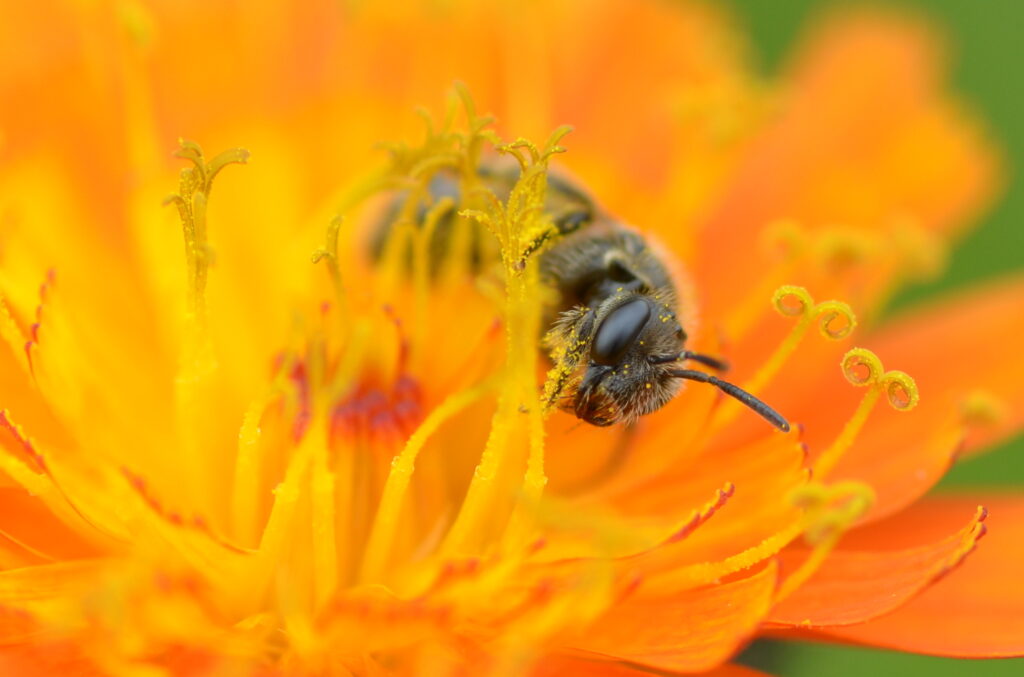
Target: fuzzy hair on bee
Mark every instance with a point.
(616, 342)
(606, 394)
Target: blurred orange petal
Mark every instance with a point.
(690, 631)
(860, 582)
(972, 612)
(835, 157)
(220, 458)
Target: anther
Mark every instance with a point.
(836, 321)
(829, 511)
(862, 368)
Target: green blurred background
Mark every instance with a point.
(987, 47)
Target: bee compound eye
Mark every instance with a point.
(619, 330)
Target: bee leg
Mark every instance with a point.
(565, 224)
(570, 338)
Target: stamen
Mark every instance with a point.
(863, 368)
(834, 251)
(982, 408)
(514, 224)
(829, 511)
(191, 200)
(196, 360)
(841, 249)
(785, 241)
(924, 253)
(385, 524)
(325, 525)
(246, 479)
(422, 239)
(836, 321)
(329, 254)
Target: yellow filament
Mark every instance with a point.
(191, 200)
(783, 236)
(329, 254)
(830, 511)
(196, 361)
(244, 495)
(836, 321)
(322, 498)
(421, 273)
(863, 368)
(281, 522)
(515, 224)
(534, 482)
(385, 524)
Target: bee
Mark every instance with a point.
(614, 338)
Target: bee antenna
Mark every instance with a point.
(706, 360)
(766, 412)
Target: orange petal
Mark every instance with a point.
(836, 157)
(977, 611)
(62, 658)
(762, 474)
(863, 579)
(35, 533)
(690, 631)
(47, 580)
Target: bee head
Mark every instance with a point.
(621, 382)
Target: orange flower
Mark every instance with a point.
(233, 462)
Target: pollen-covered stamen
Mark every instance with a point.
(863, 368)
(196, 359)
(835, 319)
(191, 200)
(514, 223)
(902, 247)
(785, 243)
(829, 511)
(421, 270)
(329, 254)
(982, 408)
(836, 251)
(923, 251)
(385, 525)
